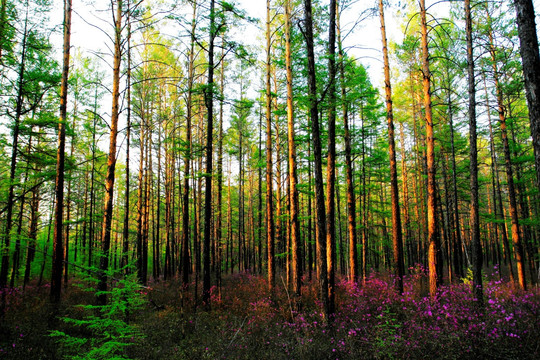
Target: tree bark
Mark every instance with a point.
(473, 168)
(293, 177)
(331, 162)
(434, 276)
(209, 101)
(111, 161)
(58, 245)
(187, 157)
(397, 237)
(317, 151)
(530, 57)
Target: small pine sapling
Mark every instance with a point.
(104, 331)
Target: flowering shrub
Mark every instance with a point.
(371, 321)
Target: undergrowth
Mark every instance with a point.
(247, 322)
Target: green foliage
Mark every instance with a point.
(104, 331)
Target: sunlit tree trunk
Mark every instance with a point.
(434, 276)
(293, 177)
(111, 161)
(516, 237)
(331, 162)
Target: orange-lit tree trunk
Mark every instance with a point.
(111, 160)
(293, 177)
(351, 203)
(516, 237)
(270, 230)
(331, 162)
(397, 240)
(434, 276)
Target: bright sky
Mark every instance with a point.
(364, 43)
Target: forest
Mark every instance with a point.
(338, 179)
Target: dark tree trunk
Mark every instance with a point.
(209, 101)
(397, 239)
(187, 157)
(317, 152)
(475, 220)
(530, 57)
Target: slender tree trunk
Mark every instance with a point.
(125, 233)
(331, 162)
(270, 230)
(140, 194)
(111, 161)
(405, 187)
(516, 237)
(351, 203)
(14, 152)
(58, 246)
(293, 177)
(187, 157)
(397, 240)
(209, 100)
(220, 171)
(32, 236)
(475, 220)
(434, 276)
(317, 150)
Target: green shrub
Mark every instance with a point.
(103, 331)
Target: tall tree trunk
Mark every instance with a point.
(13, 165)
(331, 162)
(187, 157)
(516, 237)
(317, 151)
(397, 240)
(125, 233)
(220, 171)
(530, 57)
(270, 230)
(209, 101)
(475, 220)
(434, 276)
(58, 246)
(351, 203)
(293, 177)
(111, 161)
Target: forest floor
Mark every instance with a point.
(371, 322)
